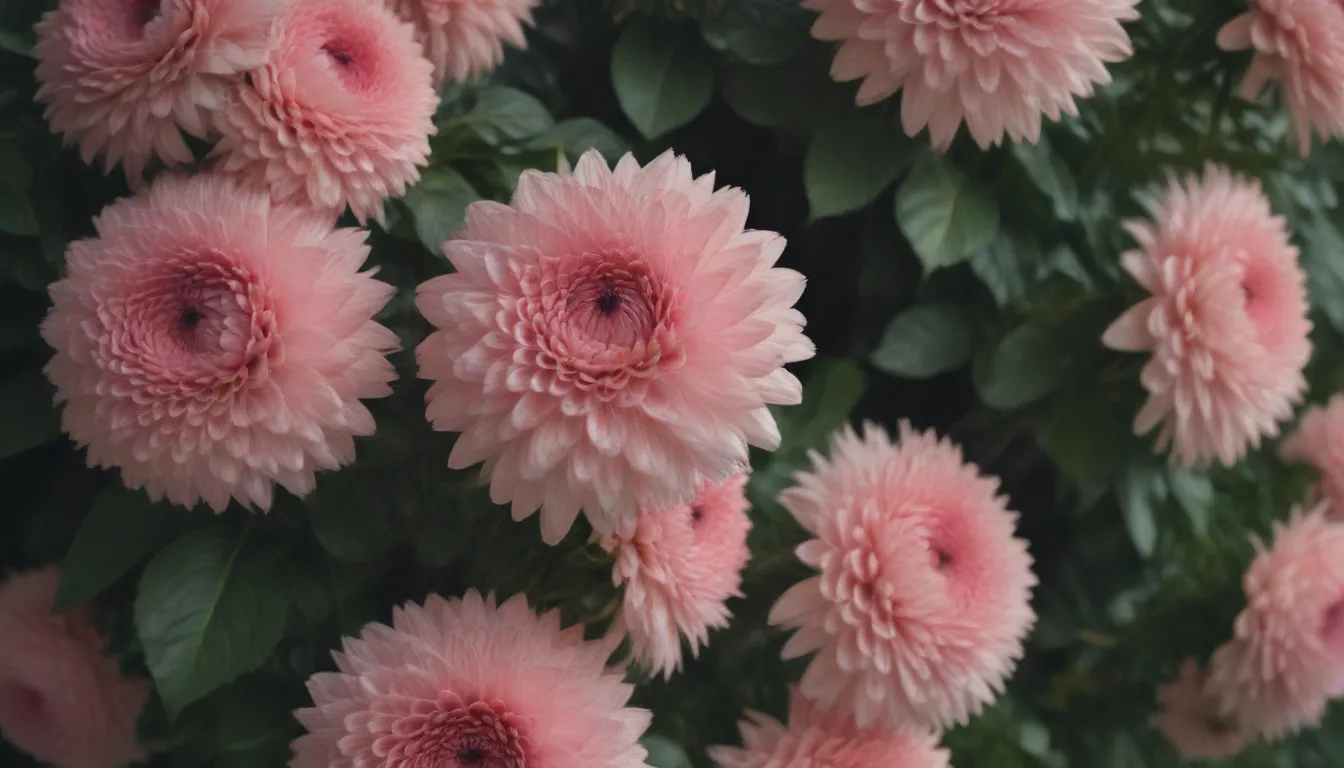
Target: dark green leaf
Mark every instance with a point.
(925, 341)
(580, 134)
(1027, 364)
(946, 215)
(14, 42)
(663, 78)
(793, 97)
(1008, 266)
(758, 31)
(507, 114)
(439, 205)
(854, 156)
(665, 753)
(251, 714)
(350, 514)
(834, 386)
(1050, 174)
(1087, 438)
(16, 213)
(27, 412)
(1135, 494)
(1323, 260)
(1194, 494)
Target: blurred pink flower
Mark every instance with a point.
(1189, 718)
(679, 568)
(465, 38)
(996, 64)
(923, 600)
(1227, 321)
(63, 699)
(463, 683)
(1299, 45)
(816, 739)
(1287, 656)
(610, 340)
(1319, 441)
(210, 343)
(340, 114)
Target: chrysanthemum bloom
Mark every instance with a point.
(465, 38)
(610, 340)
(996, 64)
(1319, 441)
(679, 568)
(1190, 720)
(1298, 44)
(123, 78)
(462, 683)
(210, 343)
(1226, 323)
(340, 114)
(1286, 658)
(63, 698)
(817, 739)
(923, 599)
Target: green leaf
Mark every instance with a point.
(208, 610)
(1027, 364)
(665, 753)
(439, 205)
(758, 31)
(853, 157)
(27, 412)
(793, 97)
(1135, 494)
(1194, 494)
(1008, 266)
(251, 714)
(663, 79)
(1087, 438)
(17, 216)
(1050, 174)
(507, 114)
(925, 341)
(122, 528)
(350, 514)
(15, 42)
(834, 386)
(580, 134)
(946, 215)
(1323, 261)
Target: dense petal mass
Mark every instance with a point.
(210, 343)
(1226, 322)
(124, 78)
(923, 597)
(1190, 720)
(997, 65)
(1299, 46)
(63, 699)
(610, 340)
(1319, 441)
(465, 38)
(463, 683)
(340, 114)
(679, 568)
(1286, 659)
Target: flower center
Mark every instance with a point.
(697, 514)
(190, 317)
(146, 11)
(608, 302)
(338, 54)
(456, 734)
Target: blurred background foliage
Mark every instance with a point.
(965, 291)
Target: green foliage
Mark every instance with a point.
(851, 160)
(926, 340)
(946, 214)
(663, 77)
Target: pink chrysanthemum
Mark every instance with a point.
(610, 340)
(1298, 44)
(679, 568)
(465, 38)
(459, 683)
(1189, 718)
(1319, 441)
(816, 739)
(923, 599)
(1227, 321)
(63, 699)
(996, 64)
(210, 343)
(1287, 656)
(123, 78)
(341, 113)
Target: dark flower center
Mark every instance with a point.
(191, 316)
(608, 301)
(146, 11)
(338, 54)
(943, 558)
(471, 756)
(697, 514)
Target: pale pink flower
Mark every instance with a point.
(610, 340)
(1319, 441)
(923, 600)
(1190, 720)
(465, 38)
(63, 698)
(340, 114)
(679, 567)
(1226, 323)
(211, 344)
(996, 64)
(123, 78)
(459, 683)
(818, 739)
(1286, 658)
(1299, 45)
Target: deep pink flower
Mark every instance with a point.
(1227, 321)
(461, 683)
(123, 78)
(465, 38)
(1299, 45)
(996, 64)
(211, 344)
(340, 114)
(63, 698)
(1319, 441)
(923, 597)
(1190, 720)
(1286, 659)
(679, 567)
(816, 739)
(610, 341)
